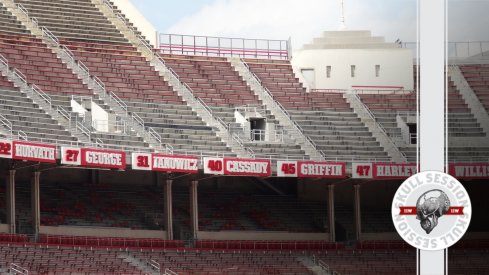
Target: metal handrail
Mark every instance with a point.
(154, 134)
(169, 148)
(224, 46)
(23, 9)
(49, 34)
(63, 113)
(117, 126)
(21, 135)
(6, 123)
(98, 82)
(357, 159)
(83, 66)
(99, 143)
(154, 264)
(68, 52)
(80, 127)
(35, 21)
(277, 134)
(18, 269)
(170, 272)
(20, 75)
(117, 100)
(4, 60)
(138, 119)
(42, 94)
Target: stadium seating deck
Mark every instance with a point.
(214, 80)
(325, 117)
(42, 67)
(124, 71)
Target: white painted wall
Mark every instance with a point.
(139, 21)
(396, 67)
(77, 108)
(100, 118)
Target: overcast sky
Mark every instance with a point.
(304, 19)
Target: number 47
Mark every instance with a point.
(363, 170)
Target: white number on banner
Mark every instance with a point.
(141, 161)
(213, 166)
(361, 170)
(287, 168)
(71, 155)
(6, 149)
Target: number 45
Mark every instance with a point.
(288, 168)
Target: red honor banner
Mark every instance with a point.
(312, 169)
(170, 163)
(103, 158)
(34, 152)
(469, 170)
(393, 170)
(247, 167)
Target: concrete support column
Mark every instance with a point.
(35, 202)
(332, 232)
(194, 209)
(10, 197)
(357, 211)
(169, 209)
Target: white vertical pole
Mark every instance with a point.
(432, 109)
